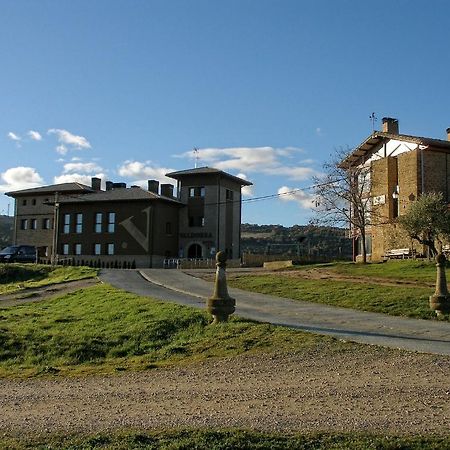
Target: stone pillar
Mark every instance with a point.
(221, 305)
(440, 301)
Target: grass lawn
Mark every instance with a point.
(16, 277)
(230, 440)
(408, 269)
(101, 329)
(395, 300)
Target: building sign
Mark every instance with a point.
(379, 200)
(195, 235)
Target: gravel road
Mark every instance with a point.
(367, 389)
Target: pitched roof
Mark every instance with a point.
(51, 189)
(116, 195)
(379, 137)
(207, 171)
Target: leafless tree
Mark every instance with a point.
(343, 196)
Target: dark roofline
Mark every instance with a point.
(207, 171)
(51, 189)
(377, 137)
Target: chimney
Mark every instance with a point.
(153, 186)
(119, 185)
(167, 190)
(109, 185)
(390, 125)
(96, 183)
(448, 134)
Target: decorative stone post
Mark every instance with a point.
(221, 305)
(440, 301)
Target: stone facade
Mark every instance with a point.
(402, 168)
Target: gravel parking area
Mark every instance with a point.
(365, 389)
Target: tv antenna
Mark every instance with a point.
(196, 157)
(373, 118)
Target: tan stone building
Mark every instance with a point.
(123, 225)
(402, 167)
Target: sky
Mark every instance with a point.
(266, 90)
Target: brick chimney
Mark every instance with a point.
(390, 125)
(96, 183)
(448, 134)
(167, 190)
(153, 186)
(109, 185)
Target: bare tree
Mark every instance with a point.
(343, 196)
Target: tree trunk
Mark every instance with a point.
(363, 242)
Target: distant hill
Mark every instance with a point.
(6, 230)
(300, 240)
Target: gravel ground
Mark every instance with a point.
(368, 390)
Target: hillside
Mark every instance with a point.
(300, 240)
(6, 230)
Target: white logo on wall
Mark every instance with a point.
(379, 200)
(141, 238)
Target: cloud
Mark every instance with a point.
(140, 172)
(304, 199)
(14, 136)
(35, 135)
(68, 141)
(17, 178)
(247, 191)
(77, 178)
(319, 131)
(88, 167)
(265, 160)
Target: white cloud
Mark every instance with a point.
(247, 191)
(265, 160)
(67, 140)
(88, 167)
(17, 178)
(319, 131)
(140, 172)
(14, 136)
(304, 199)
(77, 178)
(61, 149)
(35, 135)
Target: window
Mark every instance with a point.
(229, 195)
(110, 248)
(66, 229)
(98, 222)
(24, 224)
(79, 223)
(97, 249)
(46, 224)
(196, 221)
(24, 202)
(111, 222)
(33, 224)
(65, 249)
(77, 249)
(33, 202)
(169, 228)
(198, 191)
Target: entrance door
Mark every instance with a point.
(195, 251)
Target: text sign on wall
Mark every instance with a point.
(379, 200)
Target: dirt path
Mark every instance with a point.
(44, 292)
(366, 390)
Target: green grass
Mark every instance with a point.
(17, 277)
(230, 440)
(409, 270)
(394, 300)
(101, 329)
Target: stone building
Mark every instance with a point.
(131, 224)
(402, 167)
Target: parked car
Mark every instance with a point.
(18, 253)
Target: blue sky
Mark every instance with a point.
(264, 89)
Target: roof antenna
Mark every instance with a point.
(373, 118)
(196, 157)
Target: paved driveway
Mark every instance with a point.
(358, 326)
